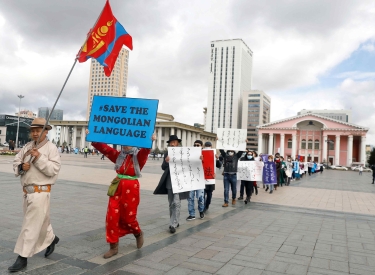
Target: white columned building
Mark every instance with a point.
(282, 144)
(337, 150)
(350, 150)
(294, 144)
(270, 144)
(260, 143)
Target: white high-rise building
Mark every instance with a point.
(231, 64)
(115, 85)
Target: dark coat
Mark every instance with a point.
(231, 167)
(165, 182)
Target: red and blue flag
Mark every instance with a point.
(105, 41)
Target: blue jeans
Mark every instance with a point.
(230, 180)
(200, 197)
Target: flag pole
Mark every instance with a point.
(67, 78)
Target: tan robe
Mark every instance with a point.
(36, 233)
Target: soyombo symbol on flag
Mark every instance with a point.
(105, 41)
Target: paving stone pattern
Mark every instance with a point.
(259, 238)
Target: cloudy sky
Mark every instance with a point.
(307, 54)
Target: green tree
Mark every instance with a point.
(58, 143)
(157, 151)
(371, 160)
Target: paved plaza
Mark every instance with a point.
(323, 224)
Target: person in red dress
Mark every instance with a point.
(123, 204)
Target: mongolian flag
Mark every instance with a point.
(105, 41)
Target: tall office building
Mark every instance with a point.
(56, 114)
(115, 85)
(256, 110)
(342, 115)
(231, 64)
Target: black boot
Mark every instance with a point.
(51, 247)
(256, 190)
(20, 264)
(267, 188)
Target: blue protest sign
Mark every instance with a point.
(264, 157)
(122, 120)
(269, 173)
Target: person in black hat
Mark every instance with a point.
(165, 187)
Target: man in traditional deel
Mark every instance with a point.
(38, 165)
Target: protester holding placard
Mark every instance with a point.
(288, 170)
(124, 193)
(278, 169)
(209, 188)
(256, 158)
(165, 187)
(270, 177)
(196, 193)
(247, 184)
(230, 174)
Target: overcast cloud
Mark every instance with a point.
(296, 45)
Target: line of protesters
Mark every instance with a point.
(38, 165)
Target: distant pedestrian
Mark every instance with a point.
(360, 170)
(321, 168)
(85, 150)
(11, 145)
(102, 158)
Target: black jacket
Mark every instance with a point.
(230, 162)
(165, 182)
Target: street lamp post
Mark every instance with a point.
(18, 123)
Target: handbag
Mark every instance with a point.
(113, 187)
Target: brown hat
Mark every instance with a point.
(39, 123)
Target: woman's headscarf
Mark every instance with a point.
(122, 156)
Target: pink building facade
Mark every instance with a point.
(316, 138)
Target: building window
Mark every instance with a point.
(303, 144)
(254, 95)
(310, 144)
(316, 145)
(289, 143)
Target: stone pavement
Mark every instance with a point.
(323, 224)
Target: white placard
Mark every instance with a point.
(231, 139)
(250, 170)
(186, 169)
(211, 181)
